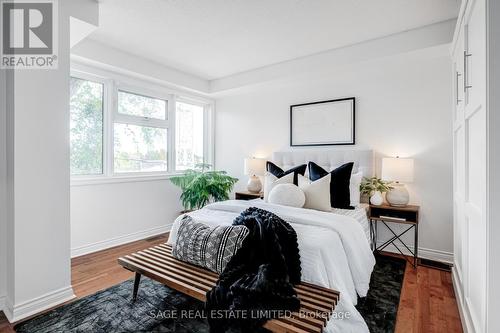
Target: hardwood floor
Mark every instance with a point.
(4, 324)
(98, 271)
(427, 301)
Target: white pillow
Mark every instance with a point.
(355, 194)
(287, 195)
(271, 181)
(317, 193)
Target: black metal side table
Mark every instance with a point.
(388, 215)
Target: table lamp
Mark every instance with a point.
(399, 171)
(254, 167)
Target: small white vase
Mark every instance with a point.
(376, 199)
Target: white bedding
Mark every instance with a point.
(334, 252)
(359, 213)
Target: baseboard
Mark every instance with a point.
(120, 240)
(15, 313)
(431, 254)
(442, 266)
(464, 317)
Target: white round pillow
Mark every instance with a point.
(287, 195)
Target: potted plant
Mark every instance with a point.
(201, 186)
(374, 187)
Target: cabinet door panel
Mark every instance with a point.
(459, 227)
(476, 161)
(460, 246)
(458, 79)
(475, 214)
(475, 57)
(469, 163)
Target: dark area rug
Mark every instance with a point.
(380, 307)
(161, 309)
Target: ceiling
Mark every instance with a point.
(217, 38)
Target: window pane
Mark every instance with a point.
(142, 106)
(86, 125)
(188, 135)
(140, 148)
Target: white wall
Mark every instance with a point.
(38, 189)
(38, 226)
(403, 108)
(106, 215)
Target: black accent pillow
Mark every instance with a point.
(340, 195)
(279, 172)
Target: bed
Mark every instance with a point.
(334, 246)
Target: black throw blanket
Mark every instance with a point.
(257, 283)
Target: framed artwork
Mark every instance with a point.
(323, 123)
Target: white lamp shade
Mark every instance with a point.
(255, 166)
(397, 169)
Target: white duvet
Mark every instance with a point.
(334, 252)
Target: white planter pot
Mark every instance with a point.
(377, 199)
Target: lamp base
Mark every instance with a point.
(254, 185)
(398, 196)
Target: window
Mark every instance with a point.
(142, 106)
(130, 131)
(86, 127)
(189, 135)
(140, 134)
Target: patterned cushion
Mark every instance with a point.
(208, 247)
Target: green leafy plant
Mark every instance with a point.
(201, 186)
(373, 184)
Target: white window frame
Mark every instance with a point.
(207, 129)
(141, 121)
(114, 82)
(105, 114)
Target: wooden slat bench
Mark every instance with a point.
(317, 303)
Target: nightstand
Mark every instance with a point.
(390, 216)
(246, 195)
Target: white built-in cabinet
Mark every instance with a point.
(470, 164)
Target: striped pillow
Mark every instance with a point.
(208, 247)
